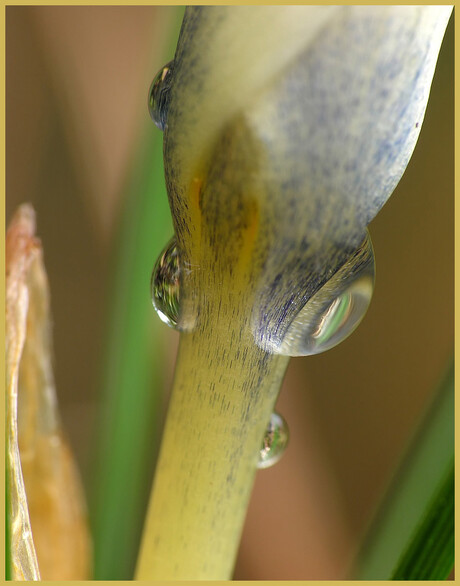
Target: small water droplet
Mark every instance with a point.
(275, 441)
(159, 95)
(164, 284)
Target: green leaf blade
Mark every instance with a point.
(412, 535)
(430, 556)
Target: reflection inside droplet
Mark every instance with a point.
(275, 441)
(335, 311)
(164, 284)
(159, 95)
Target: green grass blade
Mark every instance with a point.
(430, 555)
(127, 431)
(132, 379)
(413, 536)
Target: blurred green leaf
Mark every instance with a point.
(128, 422)
(430, 556)
(132, 378)
(412, 537)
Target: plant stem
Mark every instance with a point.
(224, 392)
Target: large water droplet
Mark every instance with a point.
(159, 95)
(335, 311)
(164, 284)
(275, 441)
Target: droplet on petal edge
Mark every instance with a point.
(336, 310)
(275, 441)
(164, 284)
(159, 96)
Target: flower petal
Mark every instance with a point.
(288, 128)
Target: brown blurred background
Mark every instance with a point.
(77, 79)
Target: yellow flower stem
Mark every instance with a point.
(224, 392)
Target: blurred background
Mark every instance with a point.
(80, 146)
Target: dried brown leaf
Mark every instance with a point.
(43, 480)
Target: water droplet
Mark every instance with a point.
(335, 311)
(164, 284)
(159, 95)
(275, 441)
